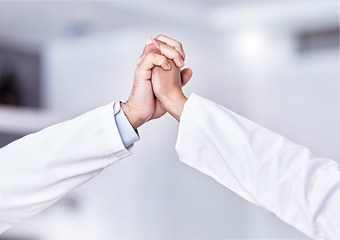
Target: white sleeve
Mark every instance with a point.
(39, 169)
(268, 170)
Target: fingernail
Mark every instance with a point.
(183, 54)
(149, 40)
(169, 66)
(182, 62)
(155, 43)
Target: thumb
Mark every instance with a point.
(186, 75)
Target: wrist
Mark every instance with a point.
(133, 119)
(174, 104)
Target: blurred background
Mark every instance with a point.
(275, 62)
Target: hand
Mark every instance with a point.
(142, 104)
(167, 85)
(173, 50)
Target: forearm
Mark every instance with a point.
(40, 168)
(262, 166)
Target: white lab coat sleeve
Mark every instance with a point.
(263, 167)
(40, 168)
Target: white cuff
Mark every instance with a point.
(126, 131)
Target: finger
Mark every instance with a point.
(151, 40)
(153, 59)
(186, 75)
(173, 43)
(171, 53)
(150, 46)
(163, 43)
(141, 58)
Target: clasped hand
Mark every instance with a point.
(158, 82)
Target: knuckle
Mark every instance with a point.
(177, 55)
(179, 45)
(151, 56)
(163, 59)
(138, 71)
(160, 36)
